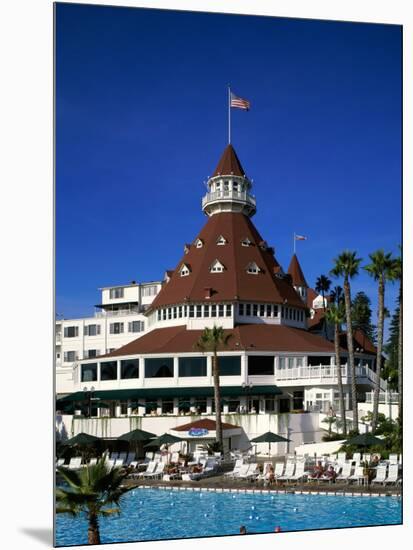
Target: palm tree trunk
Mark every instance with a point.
(380, 327)
(400, 351)
(93, 534)
(217, 396)
(347, 302)
(339, 378)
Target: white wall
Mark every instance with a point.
(297, 427)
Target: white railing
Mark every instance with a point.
(230, 195)
(326, 373)
(116, 313)
(384, 397)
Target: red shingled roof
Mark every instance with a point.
(229, 163)
(204, 423)
(360, 340)
(296, 272)
(252, 337)
(234, 283)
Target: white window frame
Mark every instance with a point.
(221, 241)
(253, 269)
(216, 267)
(184, 271)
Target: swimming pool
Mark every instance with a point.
(155, 514)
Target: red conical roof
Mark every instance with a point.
(234, 283)
(229, 164)
(296, 272)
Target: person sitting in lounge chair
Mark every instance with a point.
(269, 475)
(330, 473)
(318, 470)
(196, 469)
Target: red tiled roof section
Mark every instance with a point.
(234, 283)
(204, 423)
(296, 272)
(360, 340)
(229, 164)
(252, 337)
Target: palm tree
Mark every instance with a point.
(380, 269)
(211, 340)
(346, 265)
(337, 295)
(396, 274)
(322, 285)
(91, 490)
(336, 315)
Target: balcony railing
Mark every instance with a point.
(385, 398)
(116, 313)
(229, 195)
(327, 373)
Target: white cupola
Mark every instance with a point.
(229, 188)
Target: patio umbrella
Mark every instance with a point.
(82, 439)
(270, 437)
(136, 435)
(364, 440)
(165, 439)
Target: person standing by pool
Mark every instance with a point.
(242, 530)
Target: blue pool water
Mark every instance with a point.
(153, 514)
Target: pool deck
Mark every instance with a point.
(220, 484)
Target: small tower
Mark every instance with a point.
(229, 188)
(298, 279)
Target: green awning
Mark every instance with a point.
(163, 393)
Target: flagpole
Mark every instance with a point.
(294, 241)
(229, 114)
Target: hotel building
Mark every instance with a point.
(136, 363)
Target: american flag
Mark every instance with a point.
(300, 238)
(239, 103)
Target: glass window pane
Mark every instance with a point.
(89, 373)
(260, 365)
(192, 366)
(159, 368)
(129, 368)
(108, 370)
(230, 365)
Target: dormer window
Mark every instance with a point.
(216, 267)
(186, 248)
(221, 241)
(199, 243)
(246, 242)
(253, 269)
(185, 270)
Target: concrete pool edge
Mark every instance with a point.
(267, 491)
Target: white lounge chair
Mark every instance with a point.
(131, 458)
(149, 469)
(250, 473)
(366, 457)
(357, 458)
(341, 458)
(60, 462)
(236, 470)
(175, 457)
(381, 473)
(279, 469)
(110, 464)
(158, 472)
(358, 475)
(93, 462)
(400, 459)
(113, 455)
(345, 472)
(289, 472)
(299, 472)
(122, 456)
(119, 463)
(75, 463)
(393, 476)
(242, 471)
(393, 458)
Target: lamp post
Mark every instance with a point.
(88, 399)
(247, 387)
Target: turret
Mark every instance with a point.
(229, 188)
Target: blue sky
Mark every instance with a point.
(141, 121)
